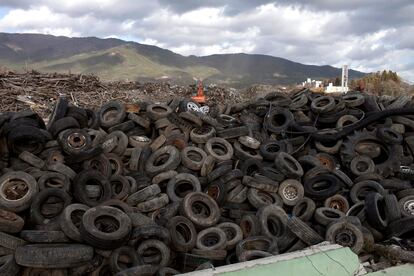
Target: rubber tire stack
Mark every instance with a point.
(167, 190)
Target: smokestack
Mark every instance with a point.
(344, 81)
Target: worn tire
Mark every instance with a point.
(155, 245)
(325, 215)
(291, 191)
(174, 159)
(129, 252)
(67, 223)
(219, 148)
(8, 266)
(41, 198)
(212, 238)
(345, 234)
(53, 255)
(193, 158)
(303, 231)
(110, 239)
(97, 179)
(203, 221)
(20, 202)
(375, 211)
(111, 113)
(42, 236)
(304, 209)
(183, 233)
(10, 222)
(273, 222)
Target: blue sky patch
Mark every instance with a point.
(3, 11)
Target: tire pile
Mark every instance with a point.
(167, 189)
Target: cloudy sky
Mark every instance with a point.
(369, 35)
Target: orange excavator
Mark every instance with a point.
(200, 98)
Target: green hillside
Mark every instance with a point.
(122, 62)
(114, 59)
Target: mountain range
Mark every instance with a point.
(114, 59)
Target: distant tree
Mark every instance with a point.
(394, 76)
(337, 81)
(362, 85)
(384, 75)
(381, 83)
(391, 88)
(357, 85)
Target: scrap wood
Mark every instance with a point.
(90, 92)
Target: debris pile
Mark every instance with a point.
(39, 91)
(160, 189)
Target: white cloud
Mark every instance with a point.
(36, 20)
(43, 20)
(368, 35)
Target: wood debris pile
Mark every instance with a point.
(39, 91)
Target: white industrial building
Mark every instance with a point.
(330, 88)
(344, 83)
(312, 83)
(336, 89)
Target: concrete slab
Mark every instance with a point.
(401, 270)
(316, 261)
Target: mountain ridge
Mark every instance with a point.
(116, 59)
